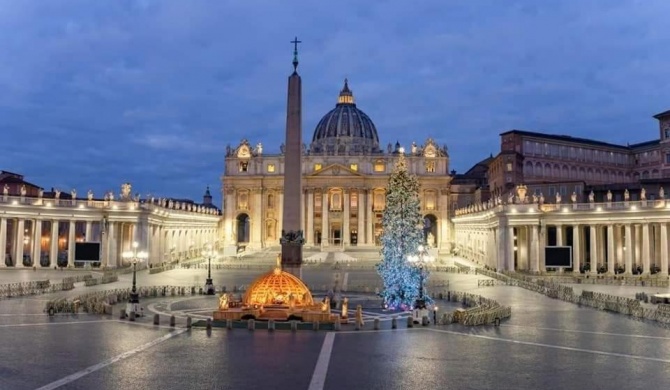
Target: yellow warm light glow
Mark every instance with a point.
(565, 209)
(81, 206)
(15, 202)
(599, 209)
(633, 207)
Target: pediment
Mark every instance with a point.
(335, 170)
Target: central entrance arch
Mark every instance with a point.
(243, 228)
(430, 237)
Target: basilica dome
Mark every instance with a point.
(345, 129)
(278, 287)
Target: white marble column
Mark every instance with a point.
(576, 248)
(664, 249)
(112, 250)
(37, 241)
(593, 234)
(360, 216)
(534, 249)
(53, 244)
(302, 211)
(324, 219)
(542, 244)
(256, 219)
(559, 235)
(309, 233)
(346, 234)
(611, 261)
(229, 216)
(369, 219)
(3, 241)
(89, 231)
(510, 249)
(646, 252)
(70, 244)
(628, 249)
(18, 249)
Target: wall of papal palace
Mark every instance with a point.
(629, 237)
(37, 231)
(336, 212)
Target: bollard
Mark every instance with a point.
(376, 324)
(132, 316)
(251, 324)
(425, 321)
(51, 312)
(209, 323)
(229, 323)
(172, 321)
(315, 325)
(122, 314)
(410, 322)
(271, 325)
(358, 325)
(294, 325)
(189, 321)
(337, 325)
(496, 322)
(157, 319)
(394, 322)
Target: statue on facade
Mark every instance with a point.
(389, 148)
(111, 195)
(5, 190)
(535, 197)
(541, 199)
(73, 194)
(414, 148)
(626, 195)
(40, 193)
(89, 195)
(282, 148)
(23, 190)
(609, 195)
(521, 191)
(229, 150)
(592, 197)
(169, 204)
(558, 197)
(126, 189)
(573, 197)
(643, 194)
(661, 193)
(259, 149)
(57, 194)
(106, 197)
(510, 198)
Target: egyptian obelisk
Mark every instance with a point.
(292, 236)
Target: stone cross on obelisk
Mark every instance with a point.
(292, 236)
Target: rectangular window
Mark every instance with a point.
(317, 167)
(353, 167)
(271, 168)
(667, 158)
(354, 200)
(244, 166)
(430, 166)
(317, 201)
(379, 166)
(509, 167)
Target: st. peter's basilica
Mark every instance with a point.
(345, 172)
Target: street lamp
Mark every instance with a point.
(134, 256)
(209, 285)
(421, 258)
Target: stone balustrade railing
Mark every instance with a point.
(156, 205)
(562, 207)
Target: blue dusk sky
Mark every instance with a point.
(97, 93)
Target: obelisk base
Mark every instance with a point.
(291, 259)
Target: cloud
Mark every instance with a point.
(99, 93)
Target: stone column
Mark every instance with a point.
(594, 249)
(309, 233)
(610, 250)
(89, 231)
(559, 235)
(637, 245)
(256, 219)
(345, 219)
(112, 252)
(37, 242)
(3, 241)
(302, 212)
(360, 216)
(646, 253)
(542, 243)
(369, 219)
(53, 244)
(280, 215)
(324, 218)
(229, 216)
(628, 249)
(535, 249)
(576, 248)
(70, 244)
(18, 249)
(510, 249)
(663, 252)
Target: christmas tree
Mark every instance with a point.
(402, 235)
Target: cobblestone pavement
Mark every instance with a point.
(546, 344)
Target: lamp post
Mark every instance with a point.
(209, 285)
(421, 258)
(134, 256)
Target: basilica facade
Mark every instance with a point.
(345, 171)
